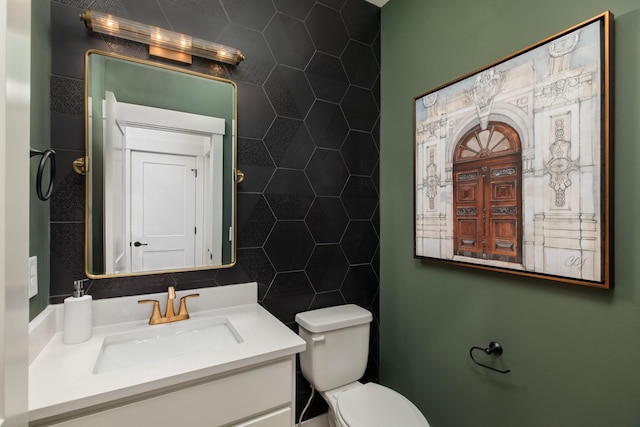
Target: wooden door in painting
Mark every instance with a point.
(487, 194)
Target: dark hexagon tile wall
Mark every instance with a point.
(327, 30)
(327, 124)
(289, 41)
(289, 143)
(327, 219)
(308, 142)
(327, 77)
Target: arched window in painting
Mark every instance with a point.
(487, 194)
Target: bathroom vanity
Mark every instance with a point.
(231, 364)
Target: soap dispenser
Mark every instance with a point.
(78, 315)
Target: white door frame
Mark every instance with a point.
(132, 118)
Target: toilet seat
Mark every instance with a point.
(373, 405)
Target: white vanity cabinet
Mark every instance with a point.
(198, 379)
(257, 396)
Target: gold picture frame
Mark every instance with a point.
(512, 162)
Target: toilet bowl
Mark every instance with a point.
(371, 405)
(336, 358)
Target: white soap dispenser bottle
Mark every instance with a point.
(78, 315)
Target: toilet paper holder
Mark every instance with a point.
(494, 348)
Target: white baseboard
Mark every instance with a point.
(319, 421)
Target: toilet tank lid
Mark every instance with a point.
(330, 318)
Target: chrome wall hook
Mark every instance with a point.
(494, 348)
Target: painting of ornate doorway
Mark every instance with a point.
(487, 194)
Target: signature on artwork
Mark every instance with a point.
(575, 261)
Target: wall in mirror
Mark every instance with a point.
(161, 150)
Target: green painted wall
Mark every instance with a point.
(39, 210)
(572, 350)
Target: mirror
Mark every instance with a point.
(160, 168)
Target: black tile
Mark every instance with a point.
(67, 199)
(289, 92)
(376, 133)
(289, 41)
(194, 279)
(359, 242)
(254, 111)
(336, 4)
(255, 162)
(360, 64)
(326, 172)
(360, 286)
(327, 30)
(147, 12)
(327, 77)
(376, 177)
(376, 48)
(250, 13)
(359, 197)
(294, 8)
(376, 92)
(289, 194)
(289, 143)
(327, 299)
(252, 266)
(327, 267)
(67, 256)
(254, 220)
(360, 108)
(362, 19)
(128, 286)
(204, 20)
(327, 125)
(289, 245)
(360, 153)
(128, 48)
(69, 41)
(289, 294)
(375, 262)
(209, 67)
(258, 61)
(327, 219)
(67, 95)
(375, 219)
(67, 131)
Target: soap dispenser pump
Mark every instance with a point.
(78, 315)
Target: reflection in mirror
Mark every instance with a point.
(161, 155)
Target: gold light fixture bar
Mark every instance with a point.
(180, 46)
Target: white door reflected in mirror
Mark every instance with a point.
(163, 211)
(163, 173)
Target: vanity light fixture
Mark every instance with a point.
(162, 43)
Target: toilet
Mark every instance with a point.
(336, 358)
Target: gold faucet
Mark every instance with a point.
(169, 314)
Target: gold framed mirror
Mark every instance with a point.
(160, 168)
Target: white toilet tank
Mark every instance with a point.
(337, 345)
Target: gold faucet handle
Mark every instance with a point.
(171, 295)
(155, 314)
(183, 305)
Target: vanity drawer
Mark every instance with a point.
(219, 402)
(279, 418)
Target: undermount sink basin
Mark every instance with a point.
(164, 342)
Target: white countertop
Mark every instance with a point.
(61, 378)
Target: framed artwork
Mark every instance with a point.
(512, 162)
